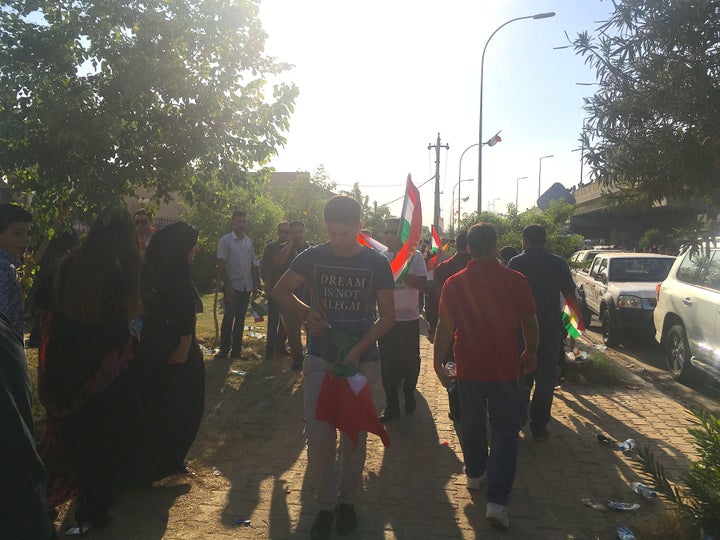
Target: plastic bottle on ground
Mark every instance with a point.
(642, 489)
(627, 445)
(624, 533)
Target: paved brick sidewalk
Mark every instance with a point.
(251, 464)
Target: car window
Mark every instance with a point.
(602, 271)
(640, 269)
(712, 276)
(691, 266)
(595, 264)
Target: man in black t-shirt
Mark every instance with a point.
(270, 273)
(346, 282)
(549, 275)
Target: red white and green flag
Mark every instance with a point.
(258, 311)
(367, 240)
(435, 247)
(410, 229)
(572, 319)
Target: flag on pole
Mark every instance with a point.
(258, 311)
(436, 247)
(369, 241)
(571, 319)
(410, 228)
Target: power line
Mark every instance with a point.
(403, 195)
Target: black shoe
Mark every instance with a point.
(220, 355)
(410, 403)
(346, 519)
(541, 436)
(389, 414)
(322, 526)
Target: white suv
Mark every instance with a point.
(687, 316)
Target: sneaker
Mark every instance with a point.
(390, 413)
(322, 526)
(346, 521)
(496, 514)
(475, 484)
(410, 403)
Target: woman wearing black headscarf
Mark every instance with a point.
(174, 386)
(87, 369)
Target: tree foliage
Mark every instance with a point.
(655, 120)
(509, 227)
(98, 97)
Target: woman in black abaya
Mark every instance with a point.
(174, 384)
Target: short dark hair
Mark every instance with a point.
(143, 212)
(283, 223)
(507, 253)
(461, 241)
(239, 213)
(12, 213)
(342, 209)
(482, 239)
(297, 223)
(534, 235)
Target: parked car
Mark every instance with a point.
(585, 256)
(687, 316)
(619, 288)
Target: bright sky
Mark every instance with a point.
(380, 79)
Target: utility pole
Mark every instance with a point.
(437, 147)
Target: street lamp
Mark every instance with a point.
(482, 68)
(517, 184)
(540, 172)
(492, 203)
(457, 185)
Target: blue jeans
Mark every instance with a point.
(544, 378)
(233, 322)
(499, 401)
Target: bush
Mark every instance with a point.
(697, 501)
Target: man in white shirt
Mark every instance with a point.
(238, 267)
(400, 347)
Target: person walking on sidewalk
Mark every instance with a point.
(443, 271)
(238, 268)
(400, 347)
(346, 281)
(485, 302)
(549, 275)
(270, 273)
(282, 260)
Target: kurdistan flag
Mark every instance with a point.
(571, 319)
(410, 228)
(436, 247)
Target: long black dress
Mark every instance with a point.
(173, 394)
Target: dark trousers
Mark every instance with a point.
(400, 359)
(544, 379)
(498, 401)
(275, 329)
(232, 334)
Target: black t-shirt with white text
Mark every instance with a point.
(344, 289)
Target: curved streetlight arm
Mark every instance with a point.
(482, 69)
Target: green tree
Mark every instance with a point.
(304, 198)
(99, 97)
(654, 123)
(373, 216)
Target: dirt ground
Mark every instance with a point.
(250, 465)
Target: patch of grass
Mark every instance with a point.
(205, 326)
(596, 369)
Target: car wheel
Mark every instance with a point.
(677, 353)
(586, 314)
(609, 332)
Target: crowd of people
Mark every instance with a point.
(122, 376)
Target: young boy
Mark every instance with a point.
(14, 240)
(346, 280)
